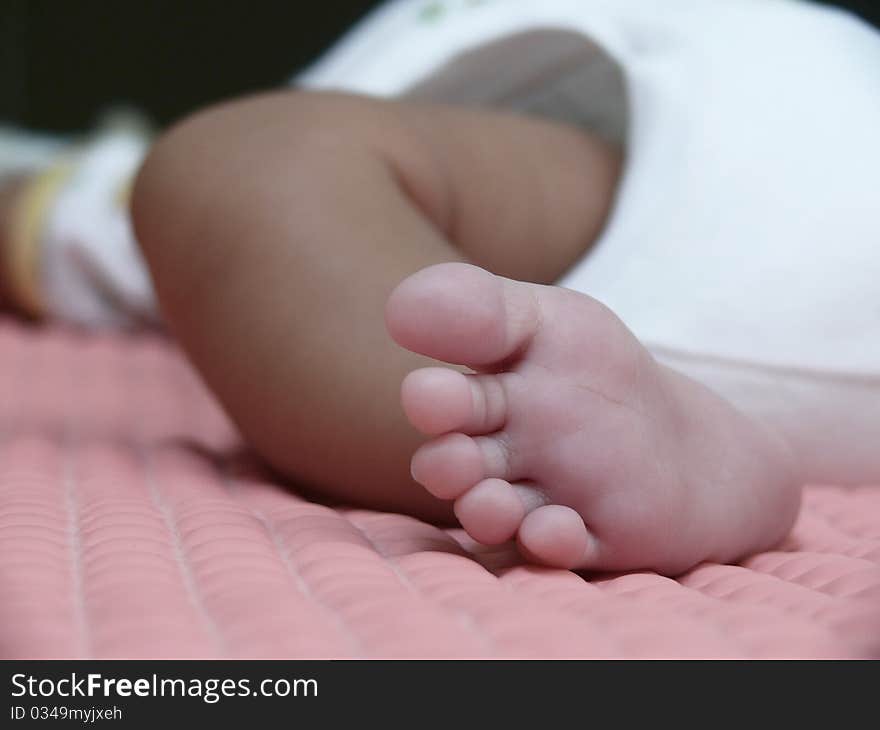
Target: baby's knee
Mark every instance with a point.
(238, 149)
(189, 172)
(173, 189)
(212, 181)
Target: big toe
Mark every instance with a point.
(462, 314)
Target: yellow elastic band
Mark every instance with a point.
(123, 194)
(22, 253)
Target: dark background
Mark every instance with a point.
(64, 61)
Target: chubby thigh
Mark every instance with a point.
(273, 254)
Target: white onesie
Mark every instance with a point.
(744, 244)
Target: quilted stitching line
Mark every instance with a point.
(286, 559)
(705, 589)
(820, 589)
(465, 619)
(134, 377)
(720, 625)
(578, 603)
(831, 520)
(822, 616)
(283, 554)
(74, 534)
(816, 611)
(182, 559)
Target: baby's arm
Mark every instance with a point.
(275, 228)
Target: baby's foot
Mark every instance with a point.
(572, 438)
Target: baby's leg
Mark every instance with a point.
(276, 227)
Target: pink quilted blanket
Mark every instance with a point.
(134, 524)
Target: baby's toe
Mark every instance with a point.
(490, 512)
(463, 314)
(439, 400)
(557, 536)
(449, 465)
